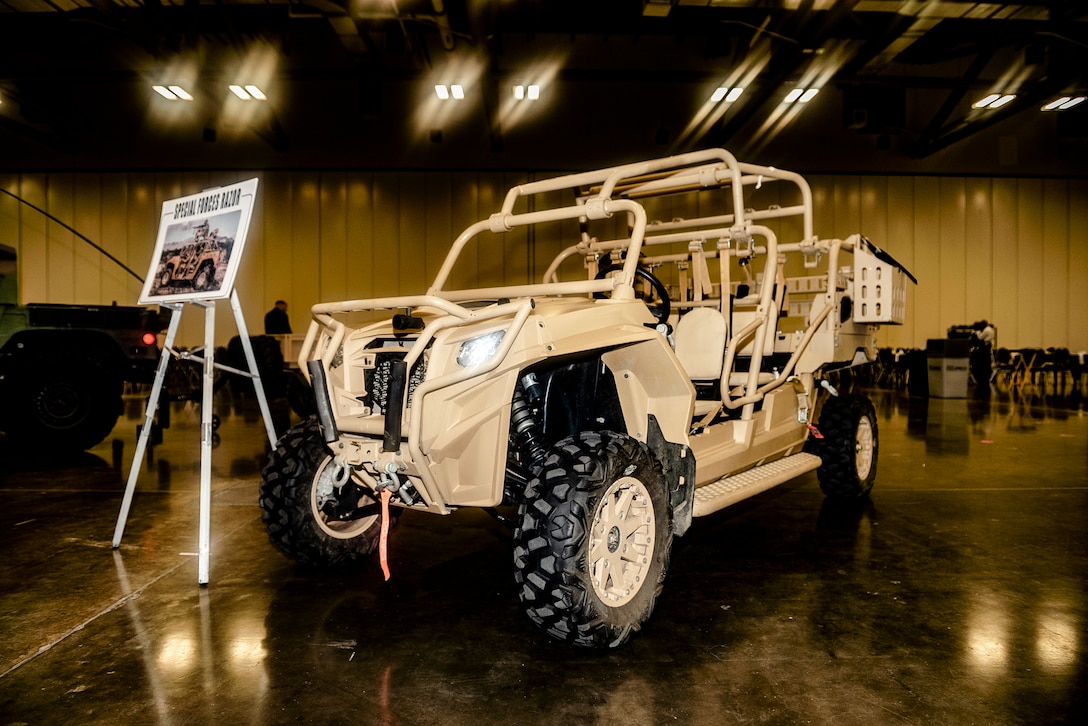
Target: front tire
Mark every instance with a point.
(205, 277)
(298, 499)
(592, 543)
(849, 447)
(71, 407)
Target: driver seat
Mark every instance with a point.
(700, 337)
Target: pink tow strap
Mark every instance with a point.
(383, 541)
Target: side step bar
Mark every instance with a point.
(732, 489)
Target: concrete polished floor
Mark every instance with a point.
(958, 595)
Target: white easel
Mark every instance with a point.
(208, 359)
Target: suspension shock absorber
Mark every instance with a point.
(526, 429)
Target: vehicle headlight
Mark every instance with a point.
(475, 351)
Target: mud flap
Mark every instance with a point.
(678, 465)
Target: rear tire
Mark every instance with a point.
(849, 447)
(296, 497)
(592, 543)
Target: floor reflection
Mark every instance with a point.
(957, 594)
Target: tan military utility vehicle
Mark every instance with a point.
(680, 368)
(195, 263)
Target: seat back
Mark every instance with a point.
(700, 337)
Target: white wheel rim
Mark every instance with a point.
(863, 448)
(621, 542)
(323, 483)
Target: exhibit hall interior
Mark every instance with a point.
(634, 362)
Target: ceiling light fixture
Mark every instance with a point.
(994, 100)
(801, 95)
(172, 93)
(1064, 103)
(454, 91)
(726, 93)
(530, 92)
(249, 92)
(180, 93)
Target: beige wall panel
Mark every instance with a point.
(333, 239)
(1012, 250)
(550, 241)
(304, 284)
(1078, 266)
(33, 242)
(823, 214)
(60, 275)
(928, 258)
(979, 271)
(273, 252)
(1055, 260)
(141, 210)
(490, 249)
(438, 230)
(1005, 195)
(846, 196)
(10, 210)
(250, 280)
(464, 212)
(953, 241)
(113, 237)
(386, 255)
(1029, 276)
(359, 263)
(411, 233)
(517, 259)
(900, 244)
(873, 216)
(90, 264)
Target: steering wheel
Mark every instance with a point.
(658, 302)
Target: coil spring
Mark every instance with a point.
(526, 430)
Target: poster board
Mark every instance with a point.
(199, 245)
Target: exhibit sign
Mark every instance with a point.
(199, 245)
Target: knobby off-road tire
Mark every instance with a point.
(849, 447)
(205, 277)
(592, 542)
(291, 504)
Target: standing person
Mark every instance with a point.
(276, 321)
(982, 353)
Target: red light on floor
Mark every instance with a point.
(149, 338)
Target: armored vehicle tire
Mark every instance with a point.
(268, 356)
(300, 395)
(164, 279)
(298, 499)
(205, 277)
(592, 541)
(71, 407)
(848, 448)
